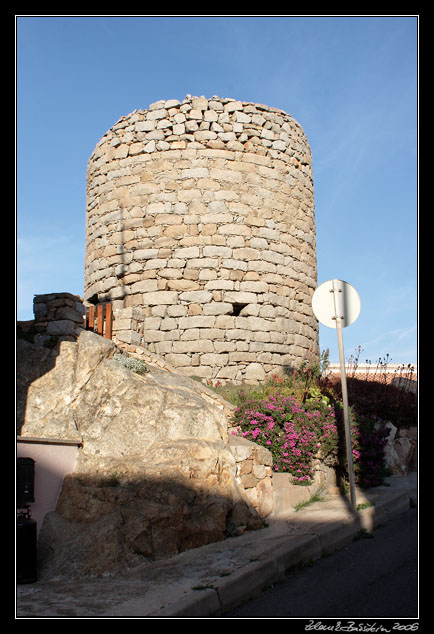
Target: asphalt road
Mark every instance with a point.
(374, 576)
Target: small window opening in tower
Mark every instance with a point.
(237, 308)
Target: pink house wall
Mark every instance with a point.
(52, 463)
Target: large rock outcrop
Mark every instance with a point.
(156, 473)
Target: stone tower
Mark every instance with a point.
(201, 222)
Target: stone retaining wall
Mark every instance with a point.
(254, 473)
(200, 213)
(286, 496)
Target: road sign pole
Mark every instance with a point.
(346, 413)
(336, 304)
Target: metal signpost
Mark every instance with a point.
(336, 304)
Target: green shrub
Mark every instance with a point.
(374, 395)
(136, 365)
(376, 399)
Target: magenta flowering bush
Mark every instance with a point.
(299, 418)
(295, 434)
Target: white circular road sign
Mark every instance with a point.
(336, 299)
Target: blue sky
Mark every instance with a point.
(350, 81)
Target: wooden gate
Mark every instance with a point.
(99, 319)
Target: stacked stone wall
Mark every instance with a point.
(57, 317)
(200, 215)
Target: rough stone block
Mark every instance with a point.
(199, 297)
(61, 327)
(160, 297)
